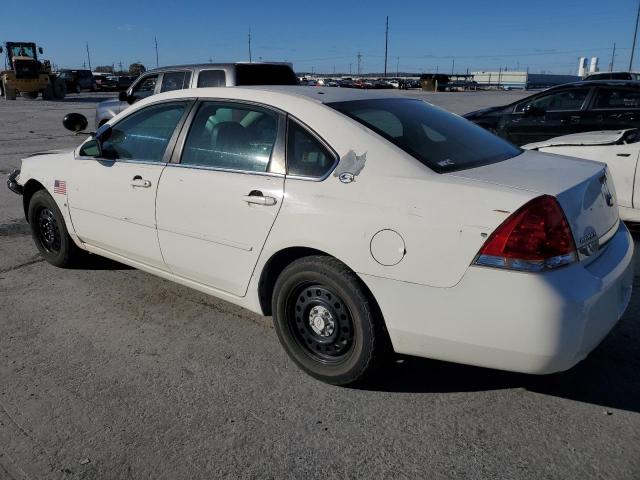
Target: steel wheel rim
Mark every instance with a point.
(48, 231)
(321, 323)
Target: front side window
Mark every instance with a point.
(211, 78)
(173, 81)
(145, 87)
(231, 137)
(617, 98)
(145, 134)
(306, 156)
(566, 100)
(440, 140)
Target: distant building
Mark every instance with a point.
(520, 80)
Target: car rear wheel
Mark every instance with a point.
(326, 321)
(50, 233)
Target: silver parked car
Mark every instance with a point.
(196, 76)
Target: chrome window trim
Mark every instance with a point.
(328, 147)
(277, 154)
(226, 170)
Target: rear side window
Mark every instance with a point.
(617, 98)
(306, 156)
(231, 137)
(211, 78)
(174, 81)
(440, 140)
(265, 74)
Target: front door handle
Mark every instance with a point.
(138, 181)
(256, 197)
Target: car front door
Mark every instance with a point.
(112, 193)
(215, 207)
(549, 115)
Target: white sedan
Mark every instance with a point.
(364, 222)
(619, 149)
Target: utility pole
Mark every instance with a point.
(359, 56)
(88, 56)
(635, 34)
(613, 57)
(120, 63)
(386, 46)
(249, 45)
(397, 66)
(453, 66)
(157, 62)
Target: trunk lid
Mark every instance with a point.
(583, 188)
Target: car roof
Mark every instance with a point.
(275, 93)
(320, 94)
(603, 82)
(200, 66)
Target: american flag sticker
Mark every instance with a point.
(60, 187)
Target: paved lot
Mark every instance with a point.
(108, 372)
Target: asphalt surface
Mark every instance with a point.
(107, 372)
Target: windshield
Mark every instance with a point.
(440, 140)
(22, 51)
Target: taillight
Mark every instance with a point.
(534, 238)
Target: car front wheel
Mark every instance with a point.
(50, 232)
(326, 321)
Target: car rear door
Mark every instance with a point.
(548, 115)
(219, 197)
(614, 108)
(112, 196)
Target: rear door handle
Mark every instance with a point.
(572, 119)
(138, 181)
(256, 197)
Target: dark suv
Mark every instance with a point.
(570, 108)
(196, 76)
(78, 80)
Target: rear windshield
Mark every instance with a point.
(264, 74)
(442, 141)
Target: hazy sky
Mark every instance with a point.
(323, 34)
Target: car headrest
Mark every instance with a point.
(229, 136)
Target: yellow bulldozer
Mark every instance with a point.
(28, 76)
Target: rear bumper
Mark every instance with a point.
(13, 184)
(523, 322)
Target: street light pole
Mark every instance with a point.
(386, 46)
(635, 34)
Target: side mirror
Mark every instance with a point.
(533, 111)
(76, 122)
(1, 50)
(40, 50)
(125, 97)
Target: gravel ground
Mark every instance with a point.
(107, 372)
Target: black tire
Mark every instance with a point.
(349, 341)
(50, 233)
(76, 88)
(29, 95)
